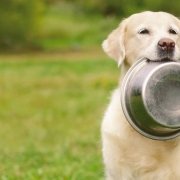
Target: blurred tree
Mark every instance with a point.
(52, 1)
(108, 7)
(122, 7)
(125, 7)
(163, 5)
(20, 20)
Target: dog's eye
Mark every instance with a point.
(144, 31)
(172, 31)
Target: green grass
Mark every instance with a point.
(50, 113)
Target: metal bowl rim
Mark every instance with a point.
(124, 108)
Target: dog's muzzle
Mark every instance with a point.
(166, 48)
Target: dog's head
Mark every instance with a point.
(152, 35)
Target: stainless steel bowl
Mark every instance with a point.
(150, 98)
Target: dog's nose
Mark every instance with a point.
(166, 44)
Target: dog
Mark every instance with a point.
(127, 155)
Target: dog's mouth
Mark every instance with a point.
(163, 58)
(166, 59)
(167, 55)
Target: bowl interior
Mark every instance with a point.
(161, 95)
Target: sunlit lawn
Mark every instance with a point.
(50, 114)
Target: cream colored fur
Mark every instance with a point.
(127, 154)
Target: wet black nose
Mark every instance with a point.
(166, 44)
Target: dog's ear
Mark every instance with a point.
(114, 44)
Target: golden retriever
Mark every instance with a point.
(127, 154)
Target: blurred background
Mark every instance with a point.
(55, 84)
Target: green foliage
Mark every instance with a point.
(163, 5)
(68, 24)
(20, 20)
(127, 7)
(66, 28)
